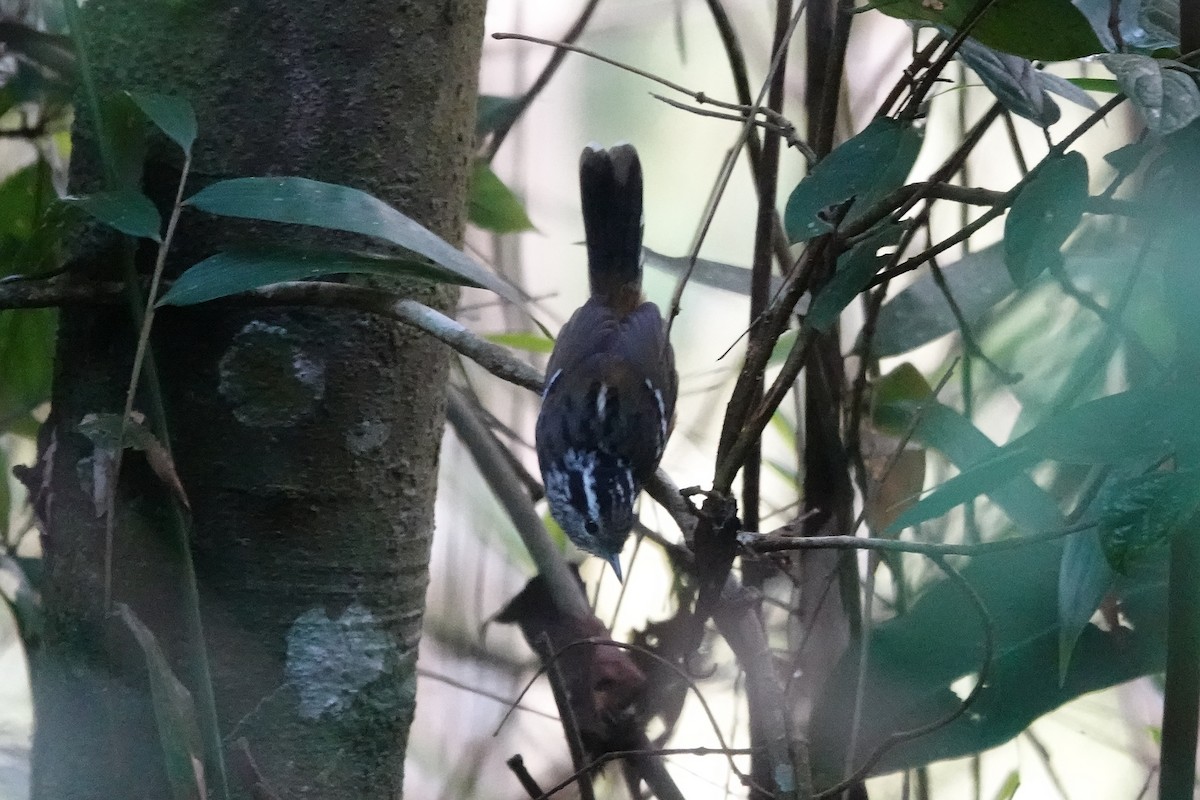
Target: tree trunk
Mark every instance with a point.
(306, 440)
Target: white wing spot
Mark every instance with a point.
(662, 414)
(550, 383)
(602, 400)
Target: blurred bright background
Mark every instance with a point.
(1099, 746)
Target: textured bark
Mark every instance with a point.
(307, 440)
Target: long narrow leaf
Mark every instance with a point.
(235, 271)
(174, 712)
(126, 210)
(172, 115)
(301, 201)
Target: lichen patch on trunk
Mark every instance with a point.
(268, 378)
(329, 661)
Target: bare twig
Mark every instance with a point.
(498, 473)
(474, 689)
(531, 787)
(726, 172)
(556, 59)
(682, 673)
(110, 498)
(912, 107)
(566, 710)
(784, 539)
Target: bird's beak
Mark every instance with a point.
(614, 561)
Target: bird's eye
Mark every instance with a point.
(591, 527)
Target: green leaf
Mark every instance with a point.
(1142, 513)
(1043, 215)
(916, 658)
(783, 346)
(965, 446)
(172, 115)
(896, 396)
(919, 314)
(174, 713)
(1142, 423)
(1008, 789)
(855, 269)
(126, 210)
(26, 361)
(718, 275)
(1014, 81)
(492, 113)
(531, 342)
(1040, 30)
(1084, 577)
(866, 167)
(125, 128)
(235, 271)
(1167, 98)
(300, 201)
(492, 205)
(1106, 85)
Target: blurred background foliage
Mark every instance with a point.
(1082, 292)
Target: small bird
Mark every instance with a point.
(609, 400)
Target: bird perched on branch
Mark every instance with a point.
(609, 400)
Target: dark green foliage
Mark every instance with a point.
(1043, 215)
(1046, 30)
(865, 168)
(916, 658)
(300, 201)
(1139, 515)
(234, 271)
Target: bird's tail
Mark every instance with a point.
(610, 182)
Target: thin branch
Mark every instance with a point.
(699, 97)
(474, 689)
(912, 106)
(678, 670)
(250, 775)
(67, 290)
(572, 34)
(784, 539)
(617, 755)
(110, 498)
(741, 82)
(908, 78)
(1138, 348)
(1014, 143)
(726, 173)
(566, 710)
(64, 289)
(531, 787)
(508, 489)
(970, 343)
(996, 211)
(784, 128)
(492, 357)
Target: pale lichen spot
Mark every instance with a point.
(330, 661)
(367, 436)
(268, 377)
